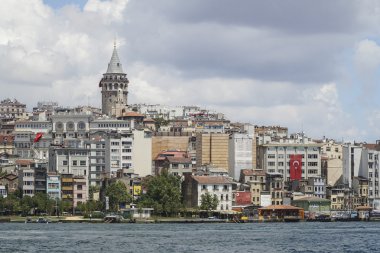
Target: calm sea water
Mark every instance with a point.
(257, 237)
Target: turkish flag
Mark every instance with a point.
(38, 137)
(295, 167)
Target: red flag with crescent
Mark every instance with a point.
(38, 137)
(295, 167)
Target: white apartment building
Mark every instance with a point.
(355, 162)
(219, 186)
(129, 151)
(274, 158)
(240, 154)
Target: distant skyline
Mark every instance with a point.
(307, 65)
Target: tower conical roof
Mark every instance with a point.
(115, 65)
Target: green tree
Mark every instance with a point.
(26, 205)
(209, 202)
(163, 194)
(158, 122)
(118, 194)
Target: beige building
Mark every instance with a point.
(166, 142)
(332, 156)
(141, 159)
(212, 148)
(80, 190)
(256, 181)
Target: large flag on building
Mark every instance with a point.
(295, 167)
(38, 137)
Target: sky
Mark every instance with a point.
(312, 66)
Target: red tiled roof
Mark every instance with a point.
(212, 180)
(6, 139)
(24, 162)
(173, 159)
(148, 120)
(132, 114)
(372, 146)
(247, 172)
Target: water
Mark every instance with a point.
(257, 237)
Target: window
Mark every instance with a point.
(271, 156)
(216, 188)
(312, 156)
(82, 163)
(280, 163)
(79, 196)
(79, 187)
(204, 187)
(221, 197)
(64, 163)
(75, 162)
(271, 164)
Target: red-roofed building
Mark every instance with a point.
(160, 162)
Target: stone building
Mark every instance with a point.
(114, 86)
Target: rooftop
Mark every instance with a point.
(212, 180)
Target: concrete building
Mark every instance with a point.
(355, 162)
(73, 161)
(114, 85)
(53, 185)
(129, 151)
(97, 158)
(212, 148)
(67, 185)
(332, 154)
(274, 184)
(69, 126)
(7, 144)
(26, 177)
(10, 181)
(178, 166)
(274, 158)
(257, 184)
(12, 108)
(240, 154)
(195, 186)
(80, 190)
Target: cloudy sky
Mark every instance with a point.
(309, 65)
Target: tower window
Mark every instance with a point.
(118, 64)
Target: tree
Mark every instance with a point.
(118, 194)
(163, 194)
(209, 202)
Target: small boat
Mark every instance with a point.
(42, 220)
(113, 219)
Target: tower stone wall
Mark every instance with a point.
(114, 85)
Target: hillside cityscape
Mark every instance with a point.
(140, 160)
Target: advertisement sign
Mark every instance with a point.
(295, 164)
(136, 190)
(243, 198)
(265, 200)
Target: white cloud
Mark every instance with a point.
(253, 69)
